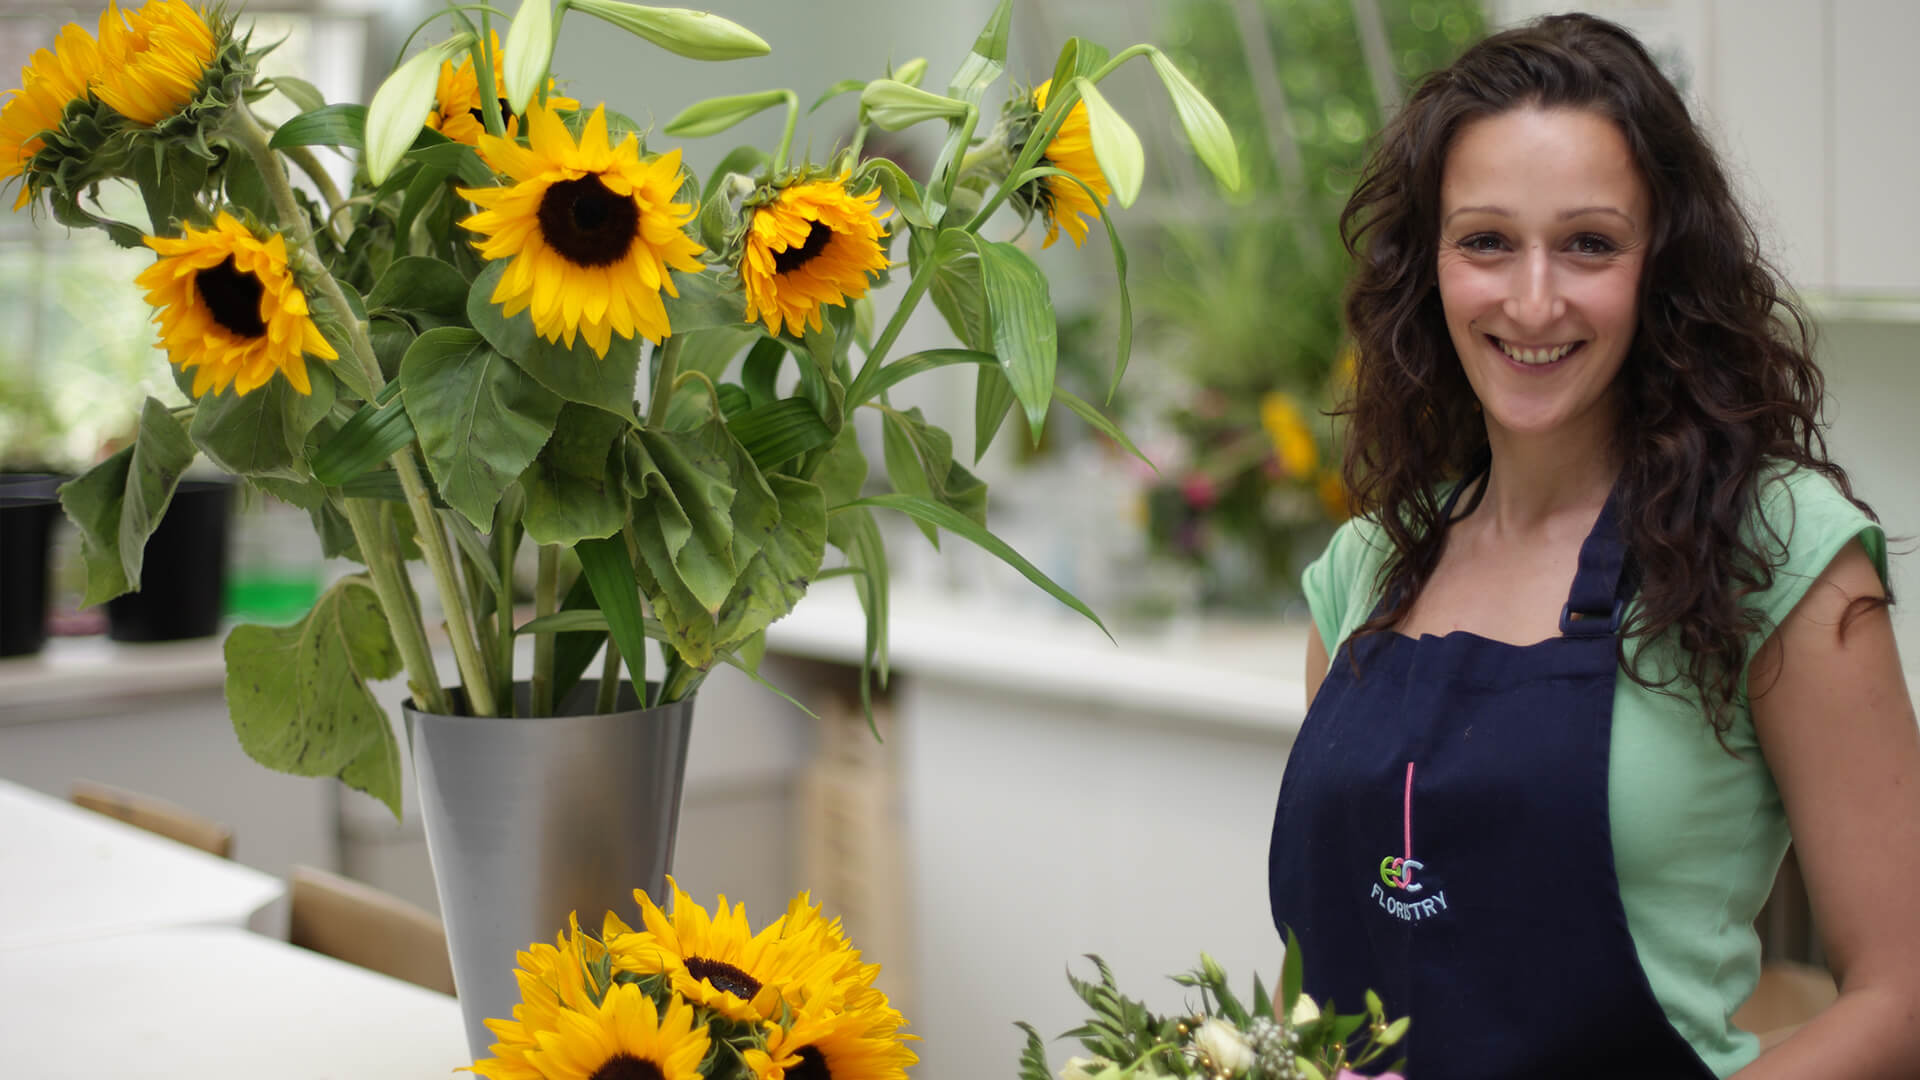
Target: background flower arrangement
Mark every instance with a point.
(698, 994)
(445, 360)
(1283, 1037)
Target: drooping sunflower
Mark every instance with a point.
(1060, 201)
(591, 229)
(718, 961)
(831, 1046)
(552, 980)
(456, 101)
(229, 307)
(54, 79)
(154, 61)
(810, 243)
(624, 1037)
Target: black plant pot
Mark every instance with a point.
(28, 507)
(184, 572)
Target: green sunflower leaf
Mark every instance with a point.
(703, 303)
(481, 420)
(329, 125)
(760, 373)
(1025, 335)
(575, 374)
(419, 284)
(118, 503)
(262, 433)
(299, 699)
(686, 493)
(574, 487)
(842, 471)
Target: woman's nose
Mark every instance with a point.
(1533, 298)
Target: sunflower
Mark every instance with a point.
(53, 80)
(1060, 200)
(154, 61)
(719, 962)
(809, 244)
(552, 980)
(228, 306)
(831, 1046)
(456, 102)
(624, 1037)
(590, 227)
(846, 984)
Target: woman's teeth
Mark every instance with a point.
(1536, 356)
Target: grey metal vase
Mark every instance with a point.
(530, 820)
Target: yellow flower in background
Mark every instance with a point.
(229, 308)
(717, 961)
(1293, 442)
(591, 230)
(54, 79)
(813, 243)
(1333, 496)
(153, 61)
(1061, 200)
(623, 1036)
(831, 1046)
(456, 102)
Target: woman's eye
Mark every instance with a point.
(1593, 244)
(1480, 242)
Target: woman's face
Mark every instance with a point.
(1544, 221)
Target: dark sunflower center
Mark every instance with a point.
(480, 116)
(624, 1066)
(796, 257)
(586, 223)
(724, 977)
(233, 296)
(813, 1066)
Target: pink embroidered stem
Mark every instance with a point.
(1407, 813)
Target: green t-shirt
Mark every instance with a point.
(1697, 833)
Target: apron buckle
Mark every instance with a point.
(1590, 624)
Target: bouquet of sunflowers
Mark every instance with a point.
(1285, 1037)
(526, 322)
(700, 996)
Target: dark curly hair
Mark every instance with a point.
(1718, 388)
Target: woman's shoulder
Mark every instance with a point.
(1801, 519)
(1345, 577)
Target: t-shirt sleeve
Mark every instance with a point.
(1338, 580)
(1812, 521)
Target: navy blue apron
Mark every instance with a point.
(1442, 837)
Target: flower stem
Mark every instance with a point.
(546, 592)
(433, 542)
(786, 136)
(408, 635)
(664, 375)
(915, 290)
(482, 53)
(609, 679)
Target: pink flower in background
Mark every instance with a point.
(1199, 491)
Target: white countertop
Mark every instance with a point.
(69, 874)
(217, 1004)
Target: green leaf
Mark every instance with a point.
(858, 537)
(299, 699)
(1115, 145)
(170, 185)
(993, 398)
(1119, 270)
(416, 283)
(118, 503)
(899, 188)
(574, 487)
(262, 433)
(697, 35)
(575, 374)
(955, 522)
(715, 115)
(907, 367)
(1205, 129)
(987, 58)
(760, 373)
(451, 158)
(1078, 57)
(400, 106)
(961, 297)
(480, 419)
(305, 96)
(1033, 1056)
(1291, 973)
(1262, 1004)
(842, 471)
(920, 462)
(609, 572)
(527, 52)
(341, 125)
(1024, 331)
(1092, 416)
(573, 651)
(1395, 1031)
(780, 431)
(904, 468)
(391, 336)
(369, 437)
(685, 492)
(702, 303)
(743, 160)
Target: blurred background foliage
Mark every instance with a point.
(1239, 301)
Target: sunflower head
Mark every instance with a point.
(457, 110)
(554, 979)
(625, 1036)
(1060, 202)
(808, 242)
(590, 227)
(159, 59)
(830, 1045)
(54, 81)
(229, 308)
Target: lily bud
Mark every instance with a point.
(400, 107)
(912, 71)
(529, 50)
(697, 35)
(1208, 133)
(894, 105)
(1115, 145)
(714, 115)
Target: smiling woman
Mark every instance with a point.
(1605, 602)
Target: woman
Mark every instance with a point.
(1609, 624)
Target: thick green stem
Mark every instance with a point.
(682, 679)
(786, 136)
(317, 173)
(506, 541)
(408, 636)
(664, 374)
(546, 593)
(609, 679)
(915, 290)
(433, 543)
(482, 53)
(477, 591)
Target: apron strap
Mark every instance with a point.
(1598, 599)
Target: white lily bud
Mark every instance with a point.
(1224, 1045)
(1115, 145)
(399, 108)
(529, 50)
(697, 35)
(894, 105)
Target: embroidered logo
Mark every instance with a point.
(1397, 872)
